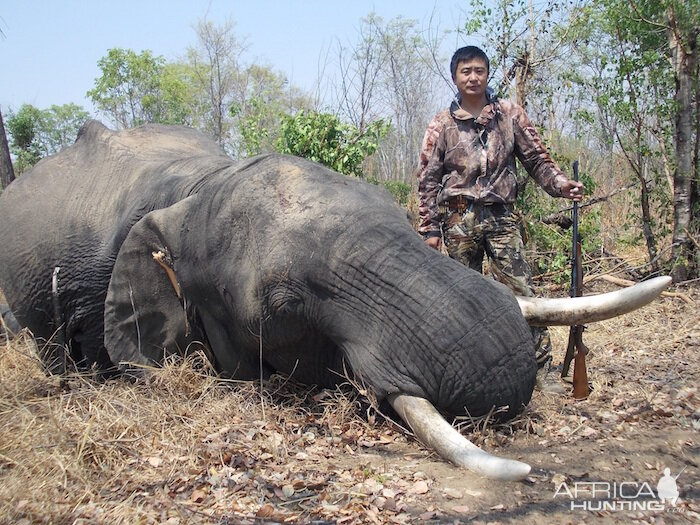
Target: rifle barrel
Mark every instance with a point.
(574, 246)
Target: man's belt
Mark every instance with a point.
(461, 203)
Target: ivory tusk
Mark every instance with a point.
(573, 311)
(432, 430)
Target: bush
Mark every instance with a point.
(548, 245)
(401, 191)
(321, 137)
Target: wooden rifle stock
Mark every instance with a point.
(576, 350)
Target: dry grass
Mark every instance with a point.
(177, 445)
(182, 446)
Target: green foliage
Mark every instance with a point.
(626, 73)
(24, 128)
(135, 89)
(401, 191)
(267, 97)
(254, 132)
(36, 133)
(177, 101)
(321, 137)
(60, 126)
(551, 244)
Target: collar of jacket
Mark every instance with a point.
(487, 114)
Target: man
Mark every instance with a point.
(467, 184)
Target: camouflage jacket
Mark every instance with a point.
(475, 158)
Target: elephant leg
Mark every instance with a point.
(90, 354)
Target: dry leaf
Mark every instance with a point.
(558, 479)
(198, 496)
(155, 461)
(266, 511)
(451, 493)
(588, 432)
(420, 487)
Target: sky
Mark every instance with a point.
(50, 48)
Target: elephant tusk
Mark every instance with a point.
(573, 311)
(432, 430)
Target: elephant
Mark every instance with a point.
(132, 245)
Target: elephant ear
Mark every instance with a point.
(146, 308)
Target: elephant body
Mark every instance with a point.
(131, 245)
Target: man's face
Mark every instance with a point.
(471, 77)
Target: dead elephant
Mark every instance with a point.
(131, 245)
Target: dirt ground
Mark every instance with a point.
(181, 446)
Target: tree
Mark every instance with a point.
(24, 127)
(136, 89)
(653, 74)
(360, 71)
(177, 102)
(59, 126)
(521, 41)
(682, 25)
(215, 62)
(265, 98)
(387, 76)
(7, 173)
(37, 133)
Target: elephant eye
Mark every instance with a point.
(282, 300)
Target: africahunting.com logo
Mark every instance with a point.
(622, 496)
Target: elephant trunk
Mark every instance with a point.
(432, 430)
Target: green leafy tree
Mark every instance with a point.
(401, 191)
(60, 125)
(321, 137)
(135, 89)
(266, 98)
(642, 77)
(178, 100)
(36, 133)
(24, 128)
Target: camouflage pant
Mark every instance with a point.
(495, 230)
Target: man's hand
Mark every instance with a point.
(434, 242)
(572, 190)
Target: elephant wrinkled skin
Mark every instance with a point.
(132, 245)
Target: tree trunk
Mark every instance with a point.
(646, 227)
(683, 58)
(7, 174)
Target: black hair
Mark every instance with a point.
(464, 54)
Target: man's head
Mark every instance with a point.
(465, 54)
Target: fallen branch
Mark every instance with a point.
(626, 282)
(562, 219)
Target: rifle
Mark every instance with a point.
(576, 350)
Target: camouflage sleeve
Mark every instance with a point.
(534, 156)
(430, 167)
